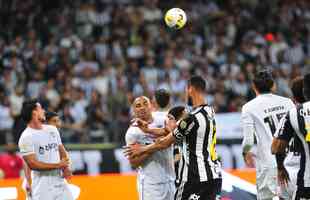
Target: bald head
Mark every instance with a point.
(142, 108)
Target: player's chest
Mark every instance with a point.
(46, 144)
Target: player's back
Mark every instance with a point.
(159, 118)
(264, 112)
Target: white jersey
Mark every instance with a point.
(44, 144)
(159, 167)
(160, 118)
(41, 142)
(261, 117)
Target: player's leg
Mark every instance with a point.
(196, 191)
(41, 186)
(161, 191)
(266, 183)
(60, 189)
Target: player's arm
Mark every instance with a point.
(248, 137)
(135, 161)
(67, 173)
(280, 142)
(158, 132)
(283, 135)
(27, 172)
(183, 129)
(34, 164)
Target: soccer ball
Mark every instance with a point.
(175, 18)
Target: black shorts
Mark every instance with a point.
(302, 193)
(210, 190)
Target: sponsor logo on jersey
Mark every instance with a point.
(194, 197)
(48, 147)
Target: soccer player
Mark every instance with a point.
(297, 123)
(260, 117)
(155, 179)
(199, 171)
(288, 168)
(43, 152)
(53, 119)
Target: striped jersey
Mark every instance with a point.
(297, 123)
(197, 132)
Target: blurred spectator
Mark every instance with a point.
(11, 164)
(80, 56)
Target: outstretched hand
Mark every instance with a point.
(133, 150)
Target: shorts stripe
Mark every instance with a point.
(179, 193)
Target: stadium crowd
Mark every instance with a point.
(88, 59)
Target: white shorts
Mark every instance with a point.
(161, 191)
(288, 192)
(266, 183)
(50, 188)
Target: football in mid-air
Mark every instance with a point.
(175, 18)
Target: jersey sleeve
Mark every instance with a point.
(130, 137)
(248, 128)
(58, 137)
(185, 127)
(285, 130)
(26, 146)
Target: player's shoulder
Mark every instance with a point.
(49, 127)
(281, 98)
(133, 129)
(25, 135)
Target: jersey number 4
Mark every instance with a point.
(270, 121)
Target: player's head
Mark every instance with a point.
(263, 82)
(162, 98)
(307, 87)
(176, 113)
(32, 110)
(297, 90)
(196, 86)
(142, 108)
(52, 118)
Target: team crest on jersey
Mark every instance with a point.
(53, 134)
(194, 197)
(183, 124)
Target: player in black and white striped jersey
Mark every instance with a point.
(297, 122)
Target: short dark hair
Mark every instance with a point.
(197, 82)
(50, 114)
(297, 89)
(162, 97)
(263, 81)
(176, 112)
(28, 107)
(307, 87)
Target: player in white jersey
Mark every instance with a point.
(155, 179)
(43, 152)
(260, 117)
(288, 168)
